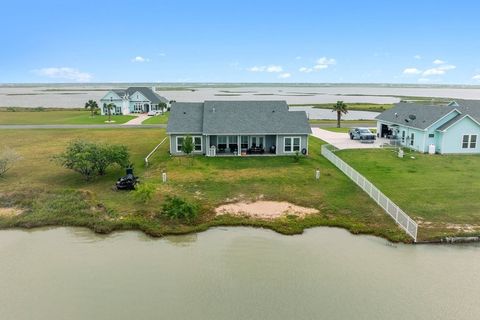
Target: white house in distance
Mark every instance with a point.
(133, 100)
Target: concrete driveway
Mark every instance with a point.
(341, 140)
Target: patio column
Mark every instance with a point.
(239, 149)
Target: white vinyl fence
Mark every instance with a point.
(394, 211)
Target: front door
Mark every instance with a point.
(146, 107)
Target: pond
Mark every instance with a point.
(233, 273)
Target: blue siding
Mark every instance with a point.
(451, 139)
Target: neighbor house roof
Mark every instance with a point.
(186, 117)
(425, 115)
(145, 91)
(237, 117)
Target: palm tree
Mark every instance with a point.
(92, 105)
(109, 107)
(340, 108)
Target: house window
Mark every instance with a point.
(197, 143)
(431, 135)
(469, 141)
(180, 143)
(244, 142)
(291, 144)
(138, 107)
(412, 139)
(222, 139)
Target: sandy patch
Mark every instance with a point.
(9, 212)
(264, 209)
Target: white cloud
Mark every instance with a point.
(411, 71)
(284, 75)
(305, 69)
(476, 77)
(270, 68)
(438, 61)
(298, 58)
(64, 73)
(140, 59)
(324, 61)
(321, 64)
(417, 57)
(440, 70)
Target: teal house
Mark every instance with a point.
(133, 100)
(446, 129)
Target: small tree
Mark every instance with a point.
(340, 108)
(8, 158)
(90, 159)
(162, 106)
(187, 145)
(144, 192)
(92, 106)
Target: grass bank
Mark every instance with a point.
(56, 117)
(440, 192)
(50, 195)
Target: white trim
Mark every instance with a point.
(456, 122)
(292, 144)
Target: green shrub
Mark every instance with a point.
(144, 192)
(296, 157)
(92, 159)
(179, 209)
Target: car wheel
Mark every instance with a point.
(351, 136)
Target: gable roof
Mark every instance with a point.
(250, 117)
(145, 91)
(455, 120)
(186, 117)
(425, 115)
(237, 117)
(470, 107)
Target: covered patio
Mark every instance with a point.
(235, 145)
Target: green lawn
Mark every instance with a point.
(52, 195)
(439, 192)
(56, 117)
(351, 106)
(160, 119)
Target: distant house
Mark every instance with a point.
(452, 128)
(133, 100)
(239, 128)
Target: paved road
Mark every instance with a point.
(103, 126)
(78, 126)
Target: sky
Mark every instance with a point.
(426, 42)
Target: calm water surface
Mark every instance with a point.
(233, 273)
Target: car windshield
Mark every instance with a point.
(364, 131)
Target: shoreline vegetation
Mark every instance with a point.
(50, 195)
(37, 192)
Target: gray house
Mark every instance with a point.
(238, 128)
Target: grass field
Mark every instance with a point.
(351, 106)
(56, 117)
(51, 195)
(160, 119)
(439, 192)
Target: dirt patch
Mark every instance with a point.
(9, 212)
(264, 209)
